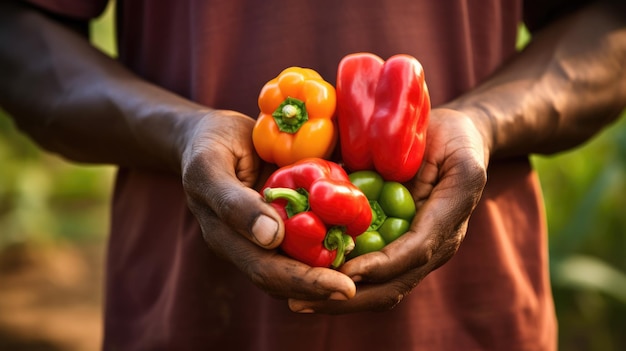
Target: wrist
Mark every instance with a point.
(483, 125)
(186, 129)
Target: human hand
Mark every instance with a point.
(220, 171)
(446, 190)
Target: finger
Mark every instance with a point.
(212, 185)
(436, 233)
(369, 297)
(411, 250)
(289, 278)
(274, 273)
(220, 168)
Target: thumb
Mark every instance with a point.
(244, 210)
(215, 190)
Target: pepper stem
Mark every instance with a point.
(378, 216)
(289, 111)
(297, 200)
(337, 240)
(290, 115)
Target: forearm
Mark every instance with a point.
(77, 102)
(562, 89)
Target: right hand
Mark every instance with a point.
(446, 190)
(219, 171)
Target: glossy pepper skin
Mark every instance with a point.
(297, 118)
(322, 210)
(393, 209)
(383, 109)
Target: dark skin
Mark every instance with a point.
(568, 85)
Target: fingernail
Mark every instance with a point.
(338, 296)
(264, 230)
(299, 306)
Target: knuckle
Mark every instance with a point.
(263, 276)
(397, 291)
(194, 174)
(256, 272)
(224, 202)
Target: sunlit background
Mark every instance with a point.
(54, 222)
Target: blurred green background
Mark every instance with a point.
(46, 201)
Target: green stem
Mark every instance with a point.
(378, 216)
(297, 200)
(337, 240)
(290, 115)
(289, 112)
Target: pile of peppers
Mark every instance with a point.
(297, 118)
(322, 210)
(383, 110)
(393, 209)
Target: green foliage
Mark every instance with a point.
(584, 195)
(44, 198)
(103, 31)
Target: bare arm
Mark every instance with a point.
(77, 102)
(568, 84)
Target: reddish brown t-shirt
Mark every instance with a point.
(166, 290)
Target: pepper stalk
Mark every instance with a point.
(290, 115)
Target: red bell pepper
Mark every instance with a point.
(322, 210)
(383, 110)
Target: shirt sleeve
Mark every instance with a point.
(77, 9)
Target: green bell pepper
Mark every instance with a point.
(392, 207)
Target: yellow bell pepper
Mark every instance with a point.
(297, 118)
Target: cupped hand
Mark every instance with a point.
(446, 191)
(220, 171)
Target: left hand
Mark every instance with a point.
(446, 191)
(220, 169)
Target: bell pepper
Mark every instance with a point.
(393, 209)
(296, 119)
(382, 112)
(322, 210)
